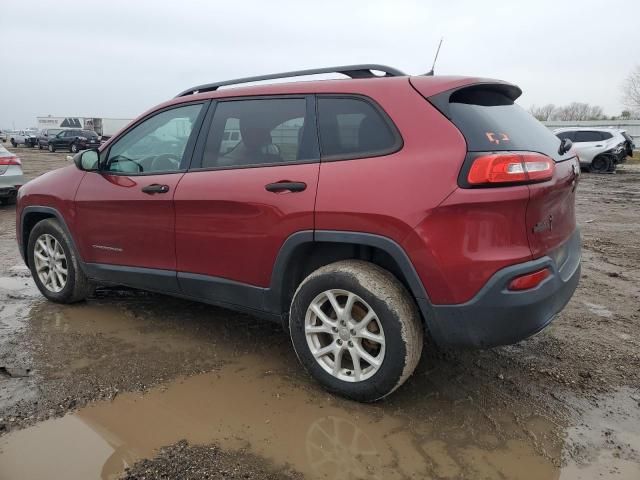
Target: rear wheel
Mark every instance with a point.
(54, 264)
(73, 148)
(601, 164)
(356, 330)
(13, 143)
(52, 148)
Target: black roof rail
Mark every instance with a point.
(353, 71)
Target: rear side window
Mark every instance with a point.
(588, 136)
(606, 135)
(260, 132)
(490, 120)
(353, 128)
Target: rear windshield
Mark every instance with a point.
(491, 121)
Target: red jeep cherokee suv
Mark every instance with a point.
(362, 213)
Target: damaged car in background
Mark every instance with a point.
(600, 149)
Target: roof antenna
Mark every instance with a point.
(430, 72)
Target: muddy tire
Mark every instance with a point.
(600, 164)
(54, 264)
(356, 330)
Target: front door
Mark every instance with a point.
(254, 186)
(125, 214)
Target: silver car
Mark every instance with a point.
(11, 176)
(599, 149)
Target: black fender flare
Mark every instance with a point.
(273, 300)
(49, 211)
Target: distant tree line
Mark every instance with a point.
(573, 111)
(584, 111)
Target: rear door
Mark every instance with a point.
(125, 214)
(252, 185)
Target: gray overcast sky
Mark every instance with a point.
(114, 58)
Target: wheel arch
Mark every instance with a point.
(30, 217)
(304, 252)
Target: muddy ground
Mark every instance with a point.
(110, 388)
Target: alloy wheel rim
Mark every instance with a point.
(344, 335)
(50, 263)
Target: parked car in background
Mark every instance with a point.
(73, 140)
(3, 135)
(335, 212)
(11, 176)
(28, 138)
(44, 136)
(599, 149)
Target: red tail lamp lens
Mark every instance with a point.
(510, 167)
(10, 161)
(530, 280)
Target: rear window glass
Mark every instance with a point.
(351, 127)
(89, 133)
(491, 121)
(606, 135)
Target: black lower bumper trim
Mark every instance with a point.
(497, 316)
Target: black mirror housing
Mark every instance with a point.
(565, 146)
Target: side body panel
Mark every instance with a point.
(118, 224)
(229, 226)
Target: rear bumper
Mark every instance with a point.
(497, 316)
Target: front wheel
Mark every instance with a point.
(601, 164)
(52, 148)
(73, 148)
(14, 144)
(356, 330)
(54, 264)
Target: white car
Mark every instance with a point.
(599, 149)
(11, 176)
(28, 138)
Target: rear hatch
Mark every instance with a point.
(491, 122)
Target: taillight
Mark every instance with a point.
(510, 167)
(10, 161)
(530, 280)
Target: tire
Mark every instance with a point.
(600, 164)
(76, 286)
(73, 148)
(39, 146)
(395, 325)
(13, 143)
(52, 148)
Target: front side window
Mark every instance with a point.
(155, 145)
(563, 135)
(351, 127)
(259, 132)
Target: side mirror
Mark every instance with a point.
(87, 161)
(565, 146)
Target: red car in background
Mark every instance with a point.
(363, 214)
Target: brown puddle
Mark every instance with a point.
(443, 424)
(245, 404)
